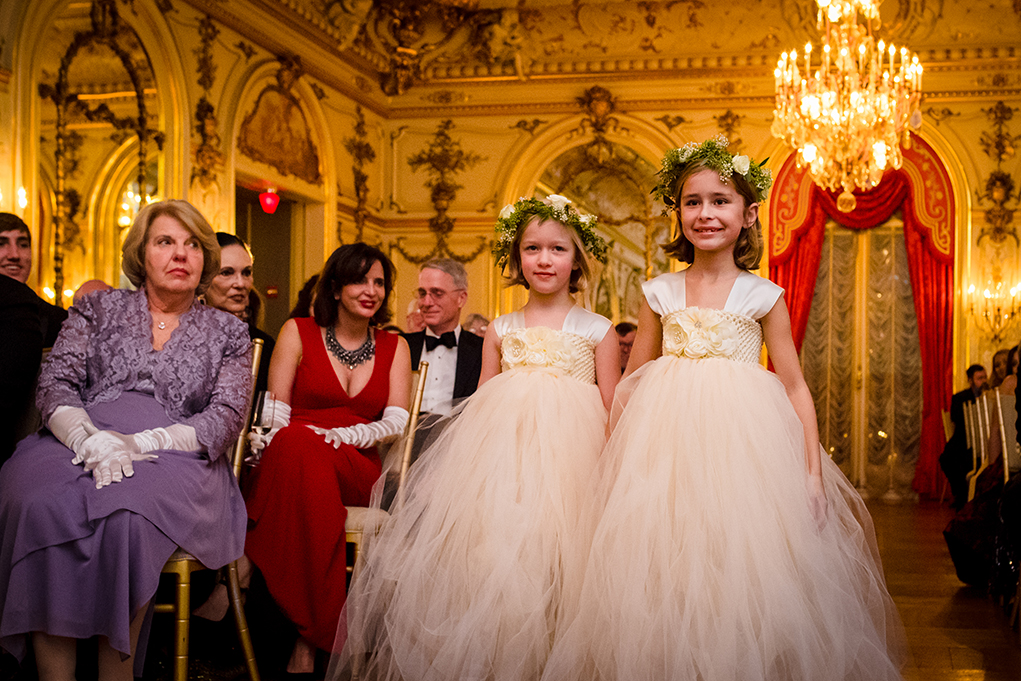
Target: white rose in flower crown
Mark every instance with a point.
(587, 219)
(557, 202)
(507, 211)
(741, 164)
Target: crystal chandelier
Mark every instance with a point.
(846, 107)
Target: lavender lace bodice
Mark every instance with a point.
(201, 376)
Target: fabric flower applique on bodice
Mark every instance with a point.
(705, 333)
(539, 347)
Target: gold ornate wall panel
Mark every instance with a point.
(522, 82)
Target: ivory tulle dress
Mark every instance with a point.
(475, 571)
(707, 564)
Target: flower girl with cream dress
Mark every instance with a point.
(473, 573)
(728, 549)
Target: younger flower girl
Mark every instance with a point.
(728, 548)
(483, 561)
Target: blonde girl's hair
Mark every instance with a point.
(579, 274)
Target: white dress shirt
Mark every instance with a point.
(438, 395)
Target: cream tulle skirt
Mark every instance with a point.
(707, 564)
(473, 575)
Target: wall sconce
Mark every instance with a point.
(994, 308)
(269, 200)
(22, 198)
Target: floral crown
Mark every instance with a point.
(713, 154)
(515, 216)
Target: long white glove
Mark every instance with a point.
(110, 455)
(367, 434)
(68, 425)
(281, 417)
(178, 436)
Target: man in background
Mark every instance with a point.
(626, 332)
(956, 461)
(16, 263)
(454, 355)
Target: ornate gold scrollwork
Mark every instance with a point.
(443, 159)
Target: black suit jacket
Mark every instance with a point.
(20, 353)
(469, 360)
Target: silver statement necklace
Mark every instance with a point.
(350, 358)
(161, 325)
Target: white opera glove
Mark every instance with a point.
(177, 436)
(281, 418)
(367, 434)
(109, 455)
(68, 425)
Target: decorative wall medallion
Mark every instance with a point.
(671, 122)
(362, 152)
(1000, 146)
(725, 88)
(206, 66)
(941, 115)
(209, 160)
(277, 132)
(446, 97)
(443, 160)
(728, 124)
(246, 49)
(528, 126)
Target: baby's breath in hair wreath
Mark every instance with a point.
(713, 152)
(515, 216)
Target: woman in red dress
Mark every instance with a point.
(341, 384)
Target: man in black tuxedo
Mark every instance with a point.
(16, 263)
(956, 460)
(454, 355)
(20, 354)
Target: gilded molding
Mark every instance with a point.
(362, 152)
(999, 145)
(443, 160)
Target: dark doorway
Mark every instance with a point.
(270, 239)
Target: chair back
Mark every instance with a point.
(948, 425)
(409, 440)
(969, 429)
(1007, 406)
(241, 446)
(981, 418)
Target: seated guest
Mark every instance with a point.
(341, 384)
(477, 324)
(91, 286)
(16, 263)
(230, 291)
(956, 460)
(455, 358)
(142, 395)
(626, 332)
(20, 354)
(306, 296)
(1001, 364)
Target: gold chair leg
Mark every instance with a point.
(182, 625)
(234, 590)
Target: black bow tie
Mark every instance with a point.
(447, 339)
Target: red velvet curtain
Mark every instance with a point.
(932, 284)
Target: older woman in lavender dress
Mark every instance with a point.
(143, 394)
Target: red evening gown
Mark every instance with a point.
(299, 493)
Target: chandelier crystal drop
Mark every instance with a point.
(847, 107)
